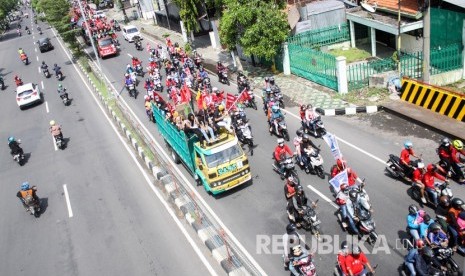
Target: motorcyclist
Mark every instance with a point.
(355, 202)
(417, 178)
(428, 181)
(62, 91)
(219, 68)
(148, 85)
(457, 206)
(414, 220)
(129, 69)
(299, 257)
(279, 154)
(18, 81)
(436, 237)
(341, 165)
(449, 156)
(298, 146)
(275, 116)
(43, 66)
(357, 263)
(20, 51)
(310, 117)
(266, 98)
(421, 261)
(55, 129)
(15, 148)
(341, 258)
(23, 56)
(405, 158)
(27, 194)
(202, 73)
(299, 200)
(289, 193)
(290, 239)
(57, 69)
(353, 177)
(127, 80)
(135, 62)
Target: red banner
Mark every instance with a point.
(230, 100)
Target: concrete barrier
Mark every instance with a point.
(436, 99)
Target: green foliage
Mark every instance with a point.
(189, 13)
(188, 48)
(258, 26)
(6, 6)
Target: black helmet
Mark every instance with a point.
(55, 65)
(457, 203)
(306, 137)
(434, 226)
(147, 80)
(267, 79)
(344, 245)
(445, 142)
(353, 194)
(444, 201)
(299, 189)
(290, 228)
(428, 252)
(412, 209)
(299, 132)
(271, 79)
(43, 62)
(219, 63)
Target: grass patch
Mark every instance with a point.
(352, 54)
(112, 103)
(365, 96)
(458, 87)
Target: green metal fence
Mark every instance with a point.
(313, 65)
(321, 37)
(411, 64)
(358, 74)
(445, 59)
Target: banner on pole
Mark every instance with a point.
(338, 179)
(331, 140)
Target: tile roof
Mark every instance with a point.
(409, 7)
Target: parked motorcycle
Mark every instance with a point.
(282, 130)
(289, 169)
(116, 26)
(132, 90)
(223, 76)
(313, 162)
(441, 189)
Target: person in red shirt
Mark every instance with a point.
(357, 262)
(342, 256)
(135, 62)
(280, 153)
(417, 178)
(339, 167)
(353, 177)
(428, 181)
(448, 154)
(405, 158)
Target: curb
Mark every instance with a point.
(349, 110)
(213, 240)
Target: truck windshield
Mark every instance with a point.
(104, 42)
(224, 156)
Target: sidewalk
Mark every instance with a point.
(297, 90)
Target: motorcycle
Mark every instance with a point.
(116, 26)
(278, 96)
(33, 206)
(441, 189)
(305, 267)
(313, 162)
(2, 83)
(282, 130)
(138, 45)
(451, 173)
(25, 60)
(288, 169)
(365, 223)
(46, 73)
(250, 100)
(60, 143)
(319, 128)
(19, 82)
(223, 76)
(245, 136)
(310, 221)
(64, 97)
(396, 170)
(28, 31)
(59, 75)
(139, 70)
(18, 157)
(132, 90)
(444, 255)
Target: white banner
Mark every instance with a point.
(331, 140)
(338, 179)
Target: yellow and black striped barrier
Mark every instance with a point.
(434, 98)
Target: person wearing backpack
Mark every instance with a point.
(27, 195)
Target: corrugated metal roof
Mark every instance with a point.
(323, 6)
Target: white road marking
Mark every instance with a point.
(325, 198)
(39, 69)
(46, 107)
(54, 143)
(129, 55)
(41, 82)
(37, 57)
(142, 170)
(33, 37)
(68, 203)
(35, 49)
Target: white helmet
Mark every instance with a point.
(280, 141)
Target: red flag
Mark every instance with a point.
(185, 94)
(199, 99)
(230, 99)
(244, 96)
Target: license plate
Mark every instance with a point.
(27, 97)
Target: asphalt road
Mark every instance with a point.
(115, 225)
(257, 212)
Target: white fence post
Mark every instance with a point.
(341, 74)
(286, 60)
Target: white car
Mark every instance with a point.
(28, 94)
(129, 32)
(99, 14)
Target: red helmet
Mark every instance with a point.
(349, 170)
(420, 244)
(430, 167)
(340, 163)
(343, 186)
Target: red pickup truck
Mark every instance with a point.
(106, 47)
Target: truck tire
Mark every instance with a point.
(174, 156)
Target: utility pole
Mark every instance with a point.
(398, 39)
(89, 33)
(426, 42)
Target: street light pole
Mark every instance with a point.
(90, 35)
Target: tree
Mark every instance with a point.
(189, 13)
(258, 26)
(6, 6)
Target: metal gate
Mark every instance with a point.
(313, 65)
